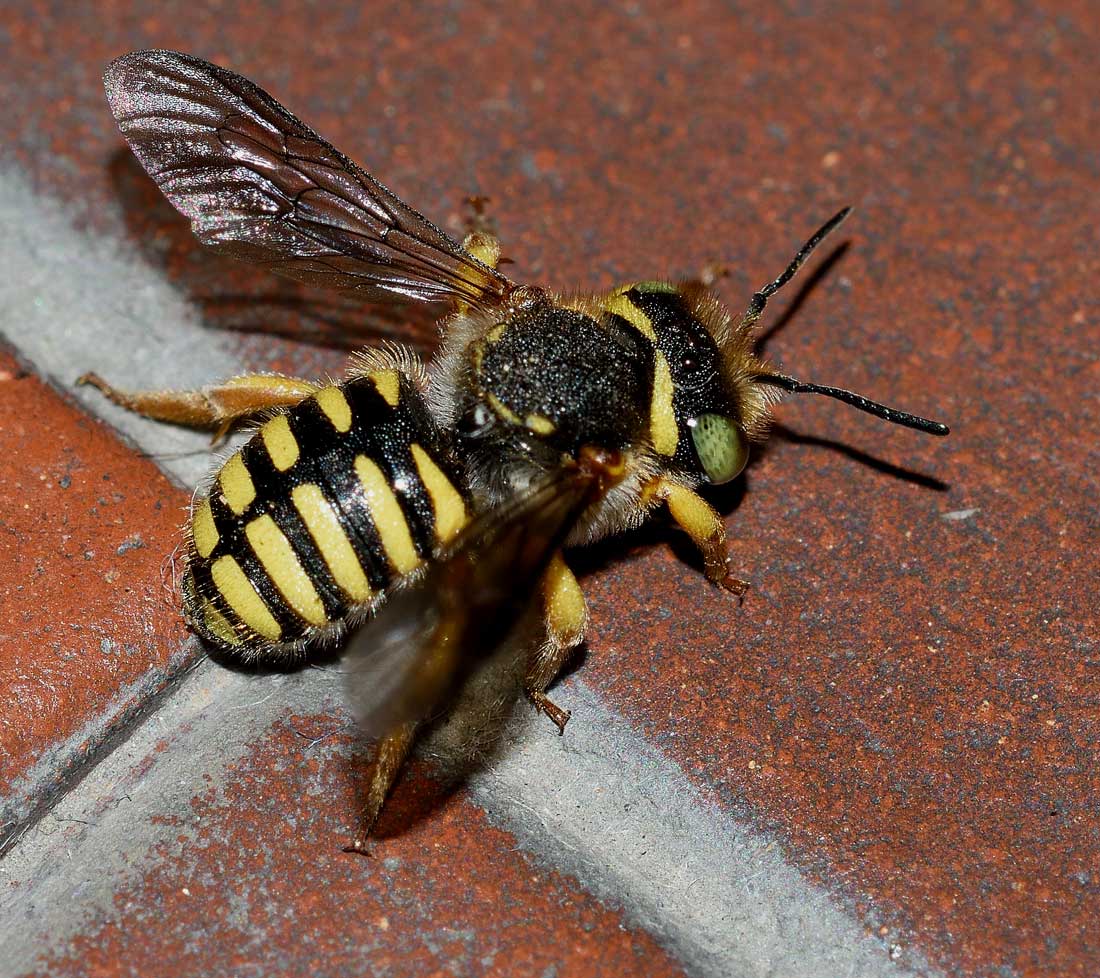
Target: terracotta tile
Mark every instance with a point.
(256, 870)
(89, 634)
(906, 696)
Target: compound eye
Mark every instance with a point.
(721, 446)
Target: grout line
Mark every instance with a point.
(36, 791)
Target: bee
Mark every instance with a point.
(435, 500)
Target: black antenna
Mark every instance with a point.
(903, 418)
(760, 299)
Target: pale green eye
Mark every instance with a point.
(721, 446)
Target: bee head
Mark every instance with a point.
(711, 392)
(701, 417)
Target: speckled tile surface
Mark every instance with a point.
(906, 703)
(90, 634)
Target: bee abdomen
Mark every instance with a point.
(322, 510)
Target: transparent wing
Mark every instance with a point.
(260, 185)
(427, 638)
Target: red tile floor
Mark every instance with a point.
(883, 762)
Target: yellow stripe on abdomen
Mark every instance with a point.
(448, 506)
(241, 596)
(387, 515)
(203, 530)
(388, 384)
(331, 540)
(332, 402)
(217, 624)
(274, 551)
(279, 440)
(236, 484)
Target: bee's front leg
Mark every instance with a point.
(218, 406)
(702, 522)
(566, 617)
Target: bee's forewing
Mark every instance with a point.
(258, 184)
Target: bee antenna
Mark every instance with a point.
(760, 299)
(892, 415)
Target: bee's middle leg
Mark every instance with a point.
(481, 239)
(566, 617)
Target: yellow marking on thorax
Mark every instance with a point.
(216, 623)
(502, 409)
(280, 442)
(387, 516)
(663, 430)
(620, 305)
(242, 597)
(203, 531)
(447, 503)
(236, 484)
(331, 540)
(387, 383)
(331, 400)
(539, 424)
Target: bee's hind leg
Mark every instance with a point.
(566, 622)
(388, 760)
(217, 406)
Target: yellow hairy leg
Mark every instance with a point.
(483, 246)
(388, 760)
(217, 406)
(566, 616)
(702, 522)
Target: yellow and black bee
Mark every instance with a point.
(448, 493)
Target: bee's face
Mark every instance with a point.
(695, 413)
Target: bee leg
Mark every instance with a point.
(701, 521)
(566, 622)
(481, 240)
(710, 275)
(483, 246)
(390, 756)
(217, 406)
(478, 218)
